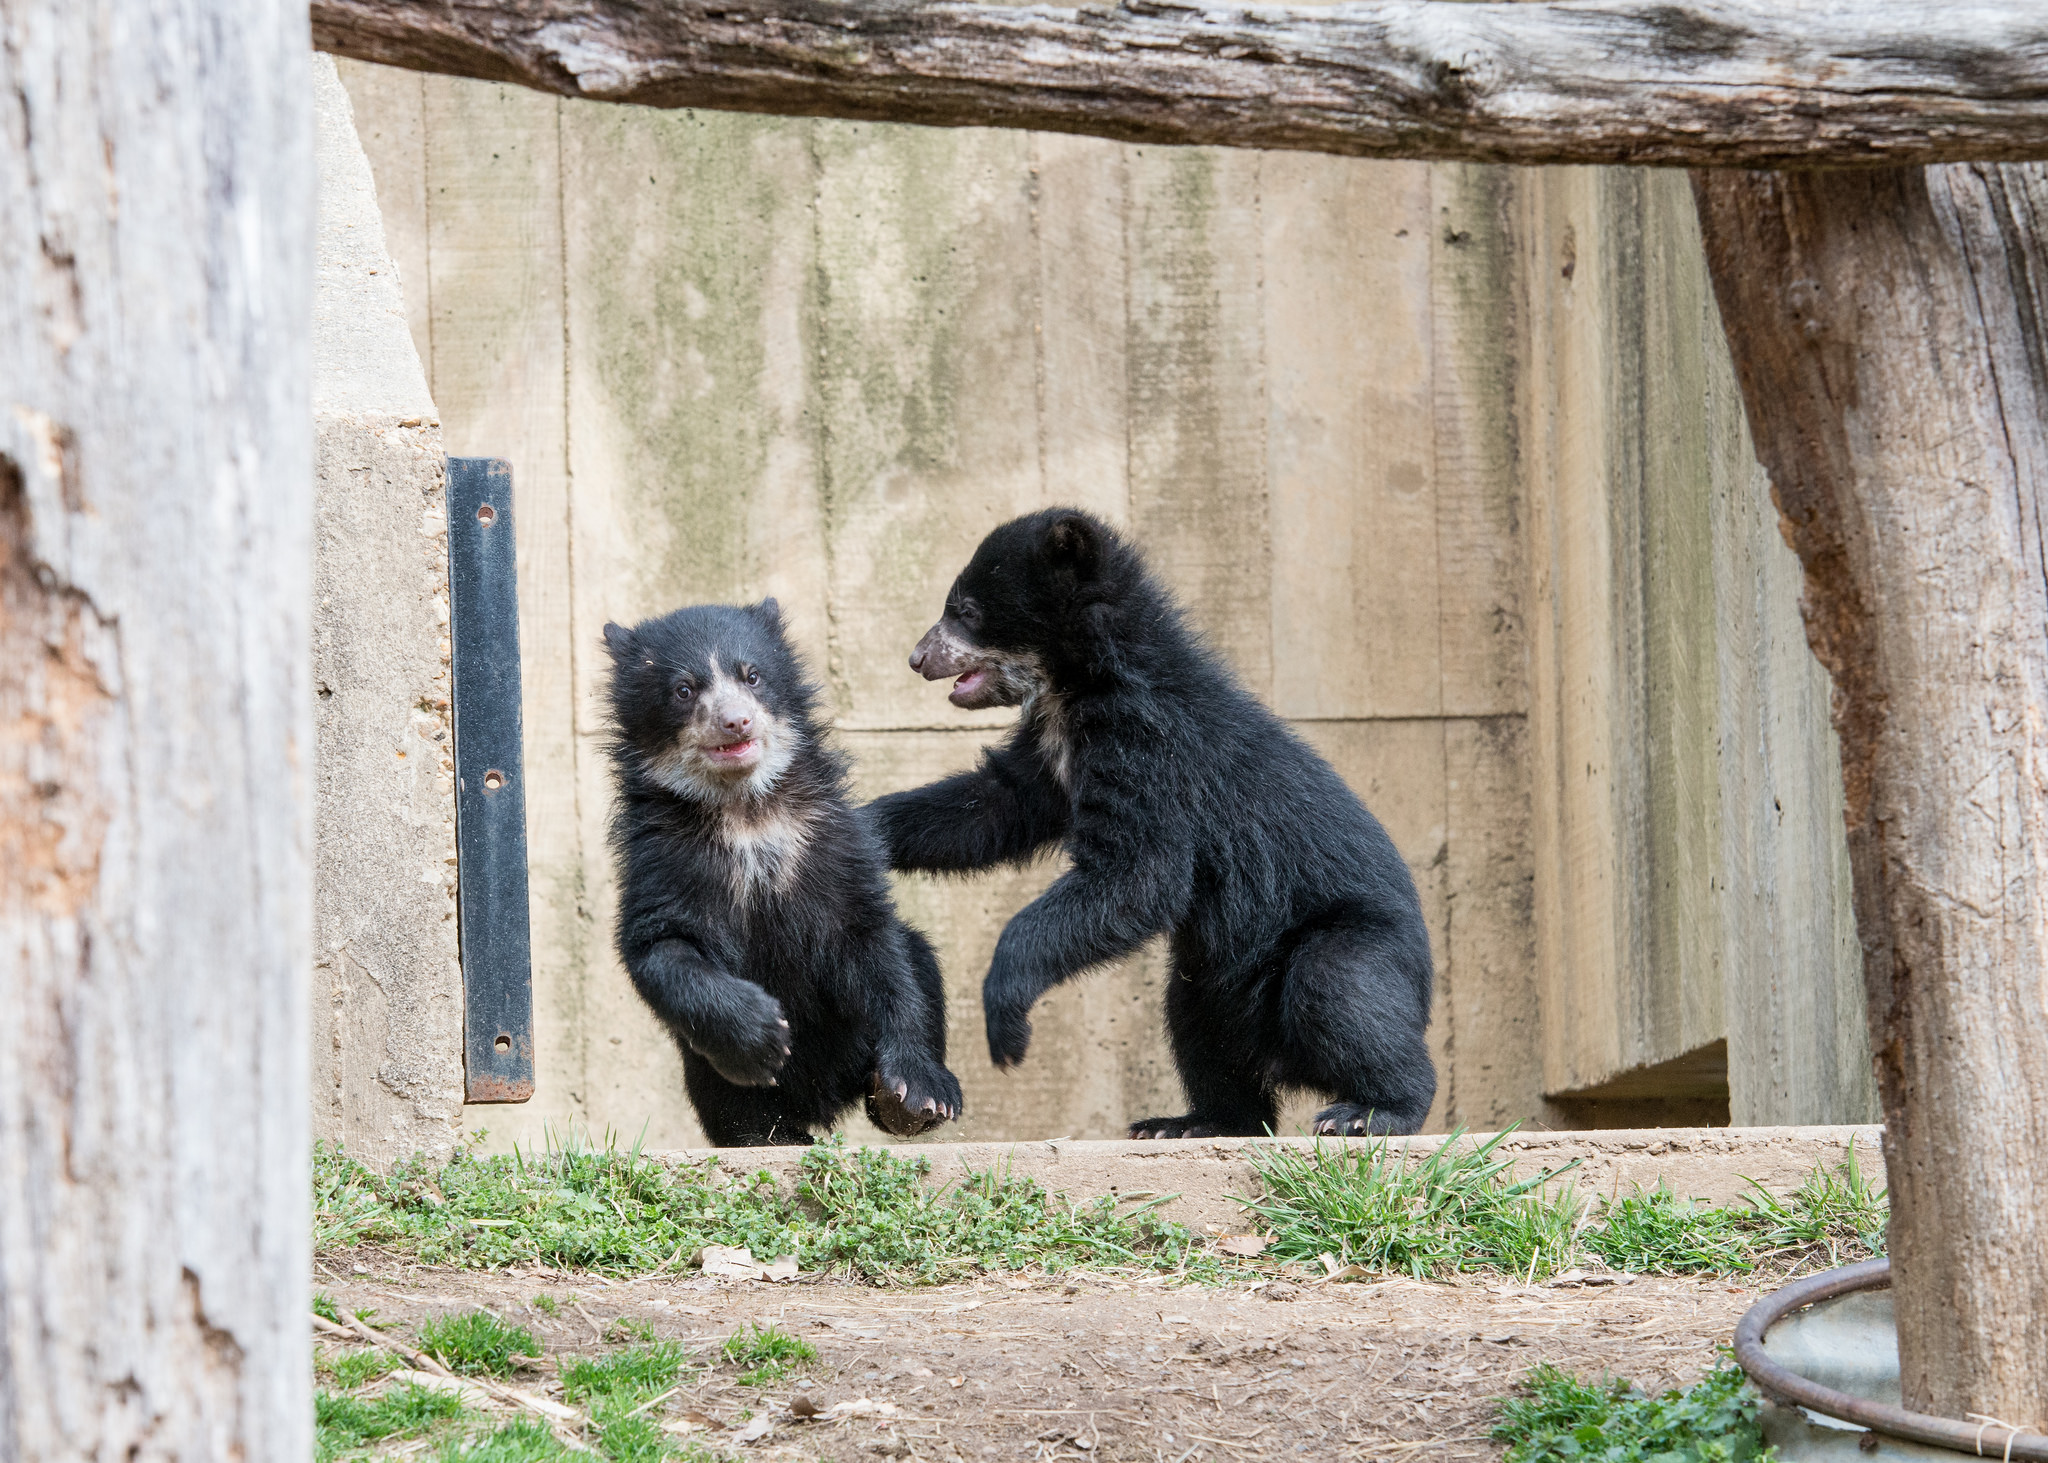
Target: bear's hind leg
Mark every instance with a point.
(738, 1117)
(1354, 1007)
(1229, 1092)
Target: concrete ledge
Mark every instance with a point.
(1207, 1173)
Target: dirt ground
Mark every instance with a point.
(1095, 1368)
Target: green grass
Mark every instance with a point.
(1560, 1419)
(345, 1425)
(546, 1305)
(352, 1369)
(325, 1308)
(865, 1212)
(1457, 1208)
(523, 1440)
(616, 1388)
(617, 1392)
(1658, 1233)
(612, 1389)
(477, 1343)
(881, 1220)
(1838, 1213)
(1451, 1210)
(879, 1216)
(643, 1372)
(768, 1352)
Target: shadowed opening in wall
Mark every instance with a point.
(1689, 1091)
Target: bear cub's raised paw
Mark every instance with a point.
(750, 1047)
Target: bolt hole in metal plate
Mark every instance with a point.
(490, 810)
(1826, 1350)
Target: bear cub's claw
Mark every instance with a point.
(1188, 1125)
(908, 1099)
(1351, 1120)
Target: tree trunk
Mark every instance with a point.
(1753, 83)
(155, 731)
(1886, 328)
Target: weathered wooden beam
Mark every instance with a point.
(1886, 329)
(1752, 83)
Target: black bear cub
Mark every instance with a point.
(754, 907)
(1299, 957)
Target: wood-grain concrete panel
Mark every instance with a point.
(1480, 341)
(926, 349)
(1351, 436)
(1581, 838)
(1422, 449)
(1675, 714)
(1198, 413)
(1489, 1002)
(1673, 470)
(1798, 1043)
(1080, 199)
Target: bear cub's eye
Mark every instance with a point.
(684, 693)
(753, 676)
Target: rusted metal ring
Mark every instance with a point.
(1984, 1440)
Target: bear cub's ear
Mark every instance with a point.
(618, 640)
(769, 613)
(1072, 537)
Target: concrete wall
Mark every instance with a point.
(735, 356)
(387, 998)
(1693, 916)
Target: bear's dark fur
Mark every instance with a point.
(1299, 955)
(754, 906)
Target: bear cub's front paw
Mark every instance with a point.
(1009, 1032)
(912, 1097)
(749, 1046)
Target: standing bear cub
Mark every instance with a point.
(754, 907)
(1298, 952)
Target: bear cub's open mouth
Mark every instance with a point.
(732, 754)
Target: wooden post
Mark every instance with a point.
(155, 729)
(1886, 329)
